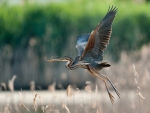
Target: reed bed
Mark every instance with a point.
(131, 76)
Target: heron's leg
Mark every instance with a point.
(105, 77)
(110, 83)
(110, 95)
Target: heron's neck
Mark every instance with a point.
(69, 63)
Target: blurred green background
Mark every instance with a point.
(32, 29)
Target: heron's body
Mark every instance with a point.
(91, 48)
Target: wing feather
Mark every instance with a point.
(99, 37)
(81, 43)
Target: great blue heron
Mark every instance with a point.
(91, 48)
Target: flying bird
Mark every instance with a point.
(91, 48)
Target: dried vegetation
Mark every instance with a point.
(131, 76)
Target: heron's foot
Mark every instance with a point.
(117, 92)
(112, 98)
(114, 87)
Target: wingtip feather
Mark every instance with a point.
(112, 9)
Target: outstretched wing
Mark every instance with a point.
(81, 43)
(99, 37)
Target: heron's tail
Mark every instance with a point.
(105, 64)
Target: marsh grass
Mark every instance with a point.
(11, 83)
(89, 104)
(125, 104)
(22, 102)
(138, 88)
(134, 91)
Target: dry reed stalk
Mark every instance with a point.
(11, 83)
(138, 88)
(7, 109)
(97, 111)
(82, 97)
(22, 102)
(96, 91)
(43, 107)
(32, 85)
(88, 87)
(70, 91)
(141, 95)
(64, 106)
(80, 106)
(4, 86)
(52, 87)
(95, 97)
(34, 101)
(52, 109)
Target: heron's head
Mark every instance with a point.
(76, 61)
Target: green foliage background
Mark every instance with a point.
(55, 24)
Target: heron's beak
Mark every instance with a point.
(54, 59)
(48, 60)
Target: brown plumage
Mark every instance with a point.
(91, 49)
(100, 36)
